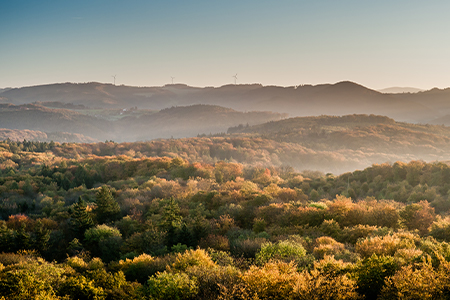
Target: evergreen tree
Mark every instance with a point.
(41, 237)
(6, 238)
(108, 209)
(22, 238)
(81, 219)
(171, 221)
(185, 236)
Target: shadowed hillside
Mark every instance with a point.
(35, 117)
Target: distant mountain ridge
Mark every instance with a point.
(341, 98)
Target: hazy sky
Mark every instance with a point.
(204, 43)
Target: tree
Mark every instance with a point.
(108, 209)
(371, 274)
(80, 219)
(418, 216)
(171, 221)
(22, 239)
(42, 236)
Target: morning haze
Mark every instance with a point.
(224, 150)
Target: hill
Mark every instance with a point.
(304, 100)
(33, 135)
(188, 121)
(354, 132)
(39, 118)
(126, 124)
(327, 144)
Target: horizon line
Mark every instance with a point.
(229, 84)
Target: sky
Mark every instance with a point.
(378, 44)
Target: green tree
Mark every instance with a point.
(171, 221)
(80, 218)
(41, 237)
(6, 238)
(104, 241)
(371, 274)
(108, 209)
(22, 238)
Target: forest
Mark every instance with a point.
(153, 220)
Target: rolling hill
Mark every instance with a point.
(39, 118)
(328, 144)
(33, 135)
(129, 125)
(341, 98)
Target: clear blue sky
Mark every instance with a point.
(204, 43)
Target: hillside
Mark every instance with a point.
(366, 133)
(33, 135)
(304, 100)
(35, 117)
(326, 144)
(188, 121)
(127, 124)
(435, 99)
(351, 132)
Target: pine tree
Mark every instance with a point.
(22, 238)
(108, 209)
(41, 237)
(6, 238)
(81, 219)
(171, 221)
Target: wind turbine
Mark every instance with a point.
(114, 76)
(172, 78)
(235, 78)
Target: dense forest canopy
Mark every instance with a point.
(136, 221)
